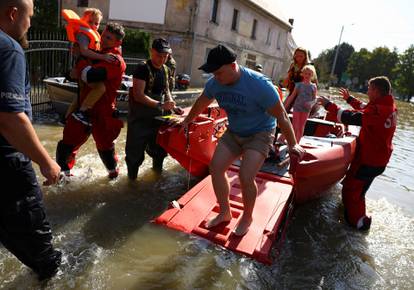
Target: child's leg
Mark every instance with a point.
(74, 105)
(98, 89)
(72, 108)
(299, 122)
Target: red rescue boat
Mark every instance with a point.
(329, 151)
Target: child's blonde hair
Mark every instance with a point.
(312, 69)
(92, 12)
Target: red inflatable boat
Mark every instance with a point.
(324, 164)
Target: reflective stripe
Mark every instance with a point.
(86, 29)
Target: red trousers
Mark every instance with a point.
(355, 185)
(105, 129)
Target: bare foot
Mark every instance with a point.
(220, 218)
(243, 227)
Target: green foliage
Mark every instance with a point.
(405, 74)
(345, 52)
(324, 62)
(383, 62)
(323, 67)
(136, 43)
(364, 65)
(45, 15)
(359, 68)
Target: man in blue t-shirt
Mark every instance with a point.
(24, 229)
(252, 104)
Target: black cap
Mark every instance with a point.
(259, 67)
(217, 57)
(161, 45)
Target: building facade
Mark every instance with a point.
(251, 27)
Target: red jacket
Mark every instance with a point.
(378, 121)
(110, 73)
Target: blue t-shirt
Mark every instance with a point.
(14, 80)
(246, 102)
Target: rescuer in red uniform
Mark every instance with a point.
(105, 126)
(378, 121)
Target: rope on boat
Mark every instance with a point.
(187, 149)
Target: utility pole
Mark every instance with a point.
(336, 53)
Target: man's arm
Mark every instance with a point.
(138, 92)
(100, 71)
(200, 104)
(352, 101)
(279, 112)
(83, 42)
(17, 129)
(287, 103)
(347, 117)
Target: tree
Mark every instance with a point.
(136, 42)
(323, 67)
(324, 61)
(383, 62)
(45, 15)
(345, 52)
(405, 74)
(358, 67)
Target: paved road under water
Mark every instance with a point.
(108, 242)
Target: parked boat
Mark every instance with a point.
(324, 164)
(62, 92)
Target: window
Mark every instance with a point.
(254, 29)
(83, 3)
(235, 21)
(251, 61)
(269, 34)
(278, 40)
(214, 11)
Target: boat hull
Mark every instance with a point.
(324, 164)
(62, 93)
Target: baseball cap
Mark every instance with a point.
(161, 45)
(259, 67)
(217, 57)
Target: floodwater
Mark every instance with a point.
(103, 228)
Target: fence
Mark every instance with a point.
(49, 55)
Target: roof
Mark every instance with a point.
(273, 8)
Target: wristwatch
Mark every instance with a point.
(159, 105)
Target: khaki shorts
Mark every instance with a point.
(261, 142)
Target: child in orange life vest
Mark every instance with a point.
(304, 96)
(88, 44)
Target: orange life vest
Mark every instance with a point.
(76, 25)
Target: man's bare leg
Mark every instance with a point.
(222, 160)
(252, 161)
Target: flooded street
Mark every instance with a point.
(103, 228)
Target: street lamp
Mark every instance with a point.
(337, 51)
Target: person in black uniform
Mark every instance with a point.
(150, 97)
